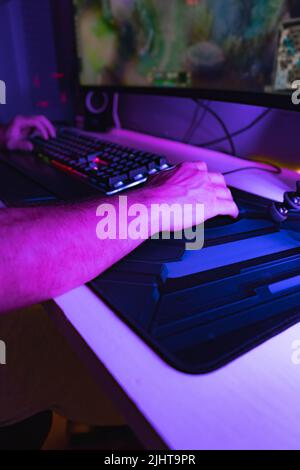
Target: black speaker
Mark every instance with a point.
(98, 110)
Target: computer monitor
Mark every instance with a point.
(232, 50)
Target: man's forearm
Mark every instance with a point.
(45, 252)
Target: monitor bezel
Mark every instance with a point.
(265, 100)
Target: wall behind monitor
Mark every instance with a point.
(275, 138)
(29, 61)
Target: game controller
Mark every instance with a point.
(280, 210)
(292, 199)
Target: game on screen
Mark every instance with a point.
(248, 45)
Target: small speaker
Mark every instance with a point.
(98, 111)
(96, 103)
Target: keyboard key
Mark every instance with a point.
(114, 180)
(139, 170)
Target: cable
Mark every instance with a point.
(277, 171)
(199, 122)
(186, 137)
(238, 132)
(116, 116)
(195, 123)
(229, 137)
(222, 124)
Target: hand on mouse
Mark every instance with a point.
(191, 183)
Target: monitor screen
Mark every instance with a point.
(239, 46)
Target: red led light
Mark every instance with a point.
(36, 81)
(66, 168)
(63, 98)
(42, 104)
(101, 162)
(58, 75)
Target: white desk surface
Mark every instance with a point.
(252, 403)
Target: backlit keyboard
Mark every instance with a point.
(106, 165)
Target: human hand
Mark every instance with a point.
(15, 136)
(192, 184)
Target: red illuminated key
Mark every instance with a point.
(67, 169)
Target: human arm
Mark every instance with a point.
(46, 251)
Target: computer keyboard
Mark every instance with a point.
(108, 166)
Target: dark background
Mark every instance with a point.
(38, 65)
